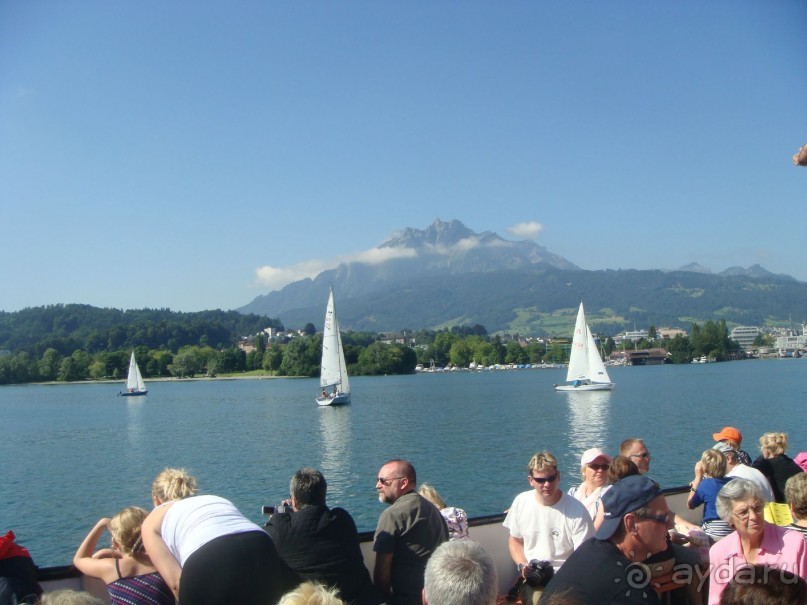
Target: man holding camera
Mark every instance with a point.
(545, 526)
(319, 543)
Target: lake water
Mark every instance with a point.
(71, 454)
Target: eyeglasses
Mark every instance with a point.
(542, 480)
(746, 512)
(643, 455)
(599, 467)
(388, 481)
(665, 518)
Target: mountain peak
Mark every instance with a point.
(439, 233)
(695, 268)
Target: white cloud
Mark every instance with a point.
(379, 255)
(275, 278)
(529, 230)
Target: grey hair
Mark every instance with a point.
(736, 490)
(460, 572)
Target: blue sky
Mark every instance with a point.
(193, 155)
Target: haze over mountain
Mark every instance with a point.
(447, 274)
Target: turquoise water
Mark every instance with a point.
(73, 453)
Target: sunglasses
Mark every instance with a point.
(542, 480)
(599, 467)
(643, 455)
(665, 519)
(388, 481)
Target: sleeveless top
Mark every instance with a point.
(193, 522)
(148, 589)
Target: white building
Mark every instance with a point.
(745, 335)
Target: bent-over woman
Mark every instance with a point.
(207, 551)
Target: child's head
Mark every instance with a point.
(125, 529)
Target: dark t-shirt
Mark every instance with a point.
(778, 470)
(411, 529)
(598, 573)
(322, 544)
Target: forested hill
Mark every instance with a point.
(67, 328)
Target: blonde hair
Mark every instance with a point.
(311, 593)
(174, 484)
(796, 495)
(540, 461)
(773, 443)
(125, 529)
(66, 596)
(432, 495)
(714, 463)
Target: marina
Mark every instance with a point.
(75, 452)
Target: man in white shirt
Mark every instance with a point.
(545, 524)
(734, 468)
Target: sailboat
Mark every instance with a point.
(586, 369)
(333, 375)
(135, 387)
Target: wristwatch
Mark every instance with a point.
(520, 567)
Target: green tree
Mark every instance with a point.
(186, 362)
(272, 358)
(49, 364)
(461, 353)
(75, 367)
(536, 351)
(515, 353)
(301, 357)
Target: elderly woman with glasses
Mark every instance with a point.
(594, 465)
(754, 541)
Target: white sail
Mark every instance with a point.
(333, 373)
(134, 382)
(586, 368)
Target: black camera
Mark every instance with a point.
(283, 507)
(538, 573)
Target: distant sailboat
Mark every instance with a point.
(333, 375)
(586, 369)
(135, 386)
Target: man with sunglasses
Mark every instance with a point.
(636, 450)
(606, 569)
(408, 532)
(545, 524)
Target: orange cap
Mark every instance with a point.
(728, 432)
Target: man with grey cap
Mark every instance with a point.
(608, 567)
(735, 468)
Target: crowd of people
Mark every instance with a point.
(611, 538)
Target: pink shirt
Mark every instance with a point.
(781, 548)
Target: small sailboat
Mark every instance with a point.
(586, 369)
(135, 387)
(333, 374)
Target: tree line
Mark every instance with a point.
(365, 352)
